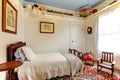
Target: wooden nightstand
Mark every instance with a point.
(10, 65)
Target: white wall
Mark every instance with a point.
(40, 42)
(91, 39)
(6, 38)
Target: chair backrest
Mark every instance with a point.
(107, 56)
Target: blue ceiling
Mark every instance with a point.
(73, 5)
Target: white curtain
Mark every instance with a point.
(109, 32)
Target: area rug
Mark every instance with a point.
(90, 73)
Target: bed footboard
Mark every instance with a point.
(76, 53)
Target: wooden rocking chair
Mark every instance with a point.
(107, 61)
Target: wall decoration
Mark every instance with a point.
(46, 9)
(85, 12)
(46, 27)
(42, 8)
(9, 17)
(94, 11)
(89, 30)
(113, 2)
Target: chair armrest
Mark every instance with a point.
(113, 62)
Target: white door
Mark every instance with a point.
(77, 36)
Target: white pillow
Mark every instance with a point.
(28, 52)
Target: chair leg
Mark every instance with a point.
(112, 71)
(93, 62)
(99, 68)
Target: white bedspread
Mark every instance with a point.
(45, 66)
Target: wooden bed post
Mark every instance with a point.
(11, 48)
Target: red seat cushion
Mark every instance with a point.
(88, 57)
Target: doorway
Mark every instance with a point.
(77, 37)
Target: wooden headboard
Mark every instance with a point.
(11, 48)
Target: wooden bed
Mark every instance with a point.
(11, 75)
(11, 48)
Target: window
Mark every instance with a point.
(109, 32)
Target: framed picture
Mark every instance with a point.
(9, 17)
(46, 27)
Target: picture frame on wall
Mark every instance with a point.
(9, 17)
(47, 27)
(89, 30)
